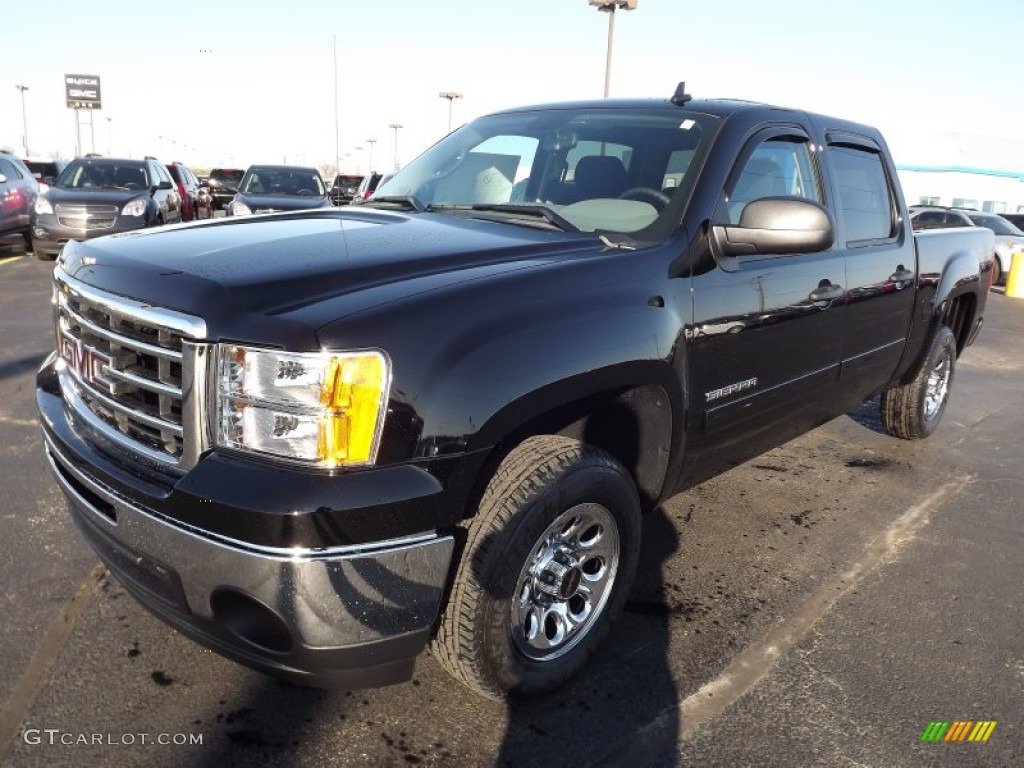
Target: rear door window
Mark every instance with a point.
(865, 203)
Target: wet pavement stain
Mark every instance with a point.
(161, 679)
(868, 462)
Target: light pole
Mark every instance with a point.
(337, 160)
(24, 119)
(369, 159)
(359, 159)
(451, 96)
(609, 6)
(395, 127)
(110, 143)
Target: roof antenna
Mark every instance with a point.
(680, 97)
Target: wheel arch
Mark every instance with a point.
(631, 417)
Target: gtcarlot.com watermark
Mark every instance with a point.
(56, 737)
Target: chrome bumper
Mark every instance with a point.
(291, 612)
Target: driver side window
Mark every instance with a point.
(779, 166)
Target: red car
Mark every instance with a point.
(188, 188)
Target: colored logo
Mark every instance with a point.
(958, 730)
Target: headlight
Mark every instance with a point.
(324, 409)
(43, 206)
(136, 207)
(240, 209)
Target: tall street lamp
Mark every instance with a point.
(369, 159)
(110, 144)
(609, 6)
(395, 127)
(24, 119)
(451, 96)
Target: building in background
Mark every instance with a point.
(965, 170)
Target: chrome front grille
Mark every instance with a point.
(86, 217)
(129, 369)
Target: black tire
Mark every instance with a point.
(543, 487)
(913, 411)
(42, 256)
(27, 237)
(997, 270)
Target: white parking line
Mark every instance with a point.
(754, 664)
(751, 666)
(17, 708)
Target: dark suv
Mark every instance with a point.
(344, 188)
(223, 184)
(18, 192)
(272, 188)
(188, 188)
(98, 196)
(1017, 219)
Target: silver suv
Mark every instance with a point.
(1009, 239)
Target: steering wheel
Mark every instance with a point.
(655, 197)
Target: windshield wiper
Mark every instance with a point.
(531, 211)
(407, 200)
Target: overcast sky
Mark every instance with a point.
(230, 82)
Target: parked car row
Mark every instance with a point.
(50, 202)
(96, 196)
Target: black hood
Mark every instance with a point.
(282, 202)
(252, 276)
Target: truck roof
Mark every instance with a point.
(716, 107)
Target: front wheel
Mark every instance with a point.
(913, 411)
(547, 566)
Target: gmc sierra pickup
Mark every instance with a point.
(318, 442)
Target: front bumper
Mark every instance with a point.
(349, 614)
(349, 617)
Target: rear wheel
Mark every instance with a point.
(547, 566)
(913, 411)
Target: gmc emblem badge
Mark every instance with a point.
(89, 363)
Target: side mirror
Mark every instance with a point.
(776, 225)
(165, 185)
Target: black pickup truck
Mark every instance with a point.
(318, 442)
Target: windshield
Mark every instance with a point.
(282, 181)
(612, 170)
(104, 174)
(997, 224)
(226, 176)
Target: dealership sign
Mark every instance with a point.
(82, 91)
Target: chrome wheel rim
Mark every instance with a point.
(938, 385)
(564, 586)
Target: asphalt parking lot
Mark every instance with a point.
(820, 605)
